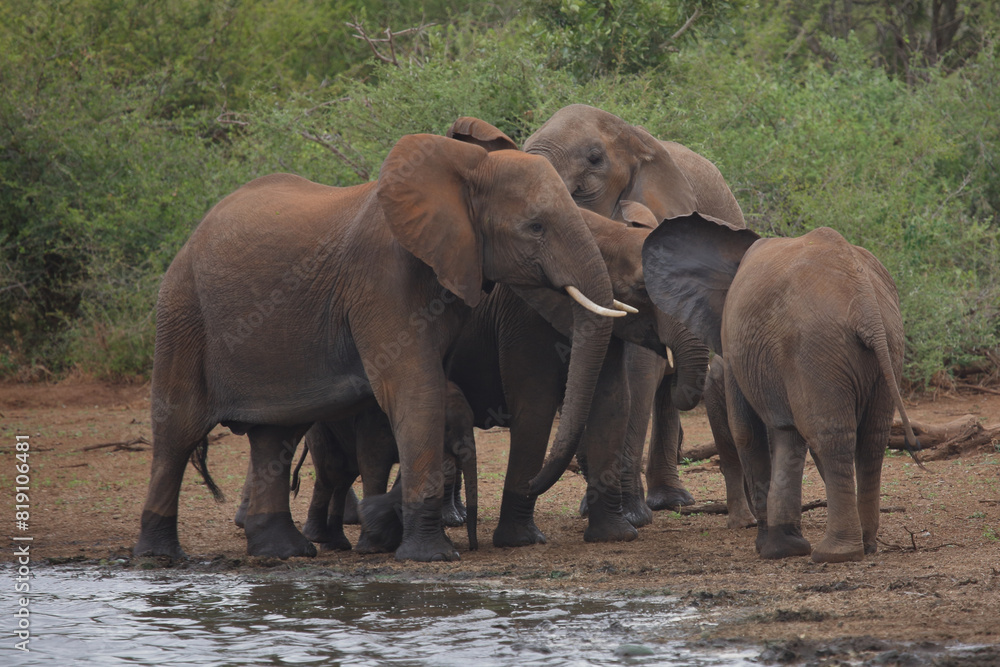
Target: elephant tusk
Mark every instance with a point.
(670, 359)
(624, 306)
(591, 306)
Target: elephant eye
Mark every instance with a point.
(535, 227)
(594, 156)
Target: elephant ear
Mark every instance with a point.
(479, 132)
(423, 189)
(637, 215)
(658, 182)
(689, 263)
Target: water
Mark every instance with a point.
(126, 617)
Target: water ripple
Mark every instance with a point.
(179, 619)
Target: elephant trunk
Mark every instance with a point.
(690, 361)
(590, 338)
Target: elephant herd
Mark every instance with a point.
(474, 284)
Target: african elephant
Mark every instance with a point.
(510, 362)
(364, 445)
(811, 337)
(605, 162)
(294, 302)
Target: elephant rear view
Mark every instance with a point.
(812, 341)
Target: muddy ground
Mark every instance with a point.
(936, 577)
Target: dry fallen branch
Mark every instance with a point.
(948, 440)
(977, 387)
(720, 508)
(123, 446)
(705, 450)
(135, 445)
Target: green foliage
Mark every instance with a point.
(594, 37)
(123, 122)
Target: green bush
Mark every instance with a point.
(121, 126)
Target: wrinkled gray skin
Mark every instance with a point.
(812, 340)
(605, 163)
(294, 302)
(510, 362)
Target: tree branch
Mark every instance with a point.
(323, 141)
(390, 39)
(687, 24)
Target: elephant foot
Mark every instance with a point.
(274, 535)
(241, 513)
(423, 533)
(606, 521)
(609, 529)
(453, 514)
(740, 517)
(781, 541)
(336, 543)
(516, 527)
(158, 537)
(510, 534)
(381, 523)
(316, 529)
(871, 547)
(329, 536)
(668, 498)
(351, 515)
(838, 550)
(636, 511)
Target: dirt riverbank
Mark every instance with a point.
(936, 577)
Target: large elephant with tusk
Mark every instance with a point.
(294, 302)
(514, 360)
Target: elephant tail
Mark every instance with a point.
(872, 333)
(199, 459)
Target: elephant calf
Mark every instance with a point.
(812, 342)
(365, 445)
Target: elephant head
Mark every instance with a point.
(602, 160)
(651, 327)
(689, 263)
(620, 247)
(503, 216)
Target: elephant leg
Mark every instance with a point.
(644, 370)
(665, 488)
(351, 517)
(603, 442)
(738, 511)
(784, 500)
(453, 512)
(843, 540)
(417, 416)
(240, 518)
(335, 473)
(175, 438)
(377, 452)
(533, 384)
(873, 438)
(269, 527)
(749, 437)
(529, 433)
